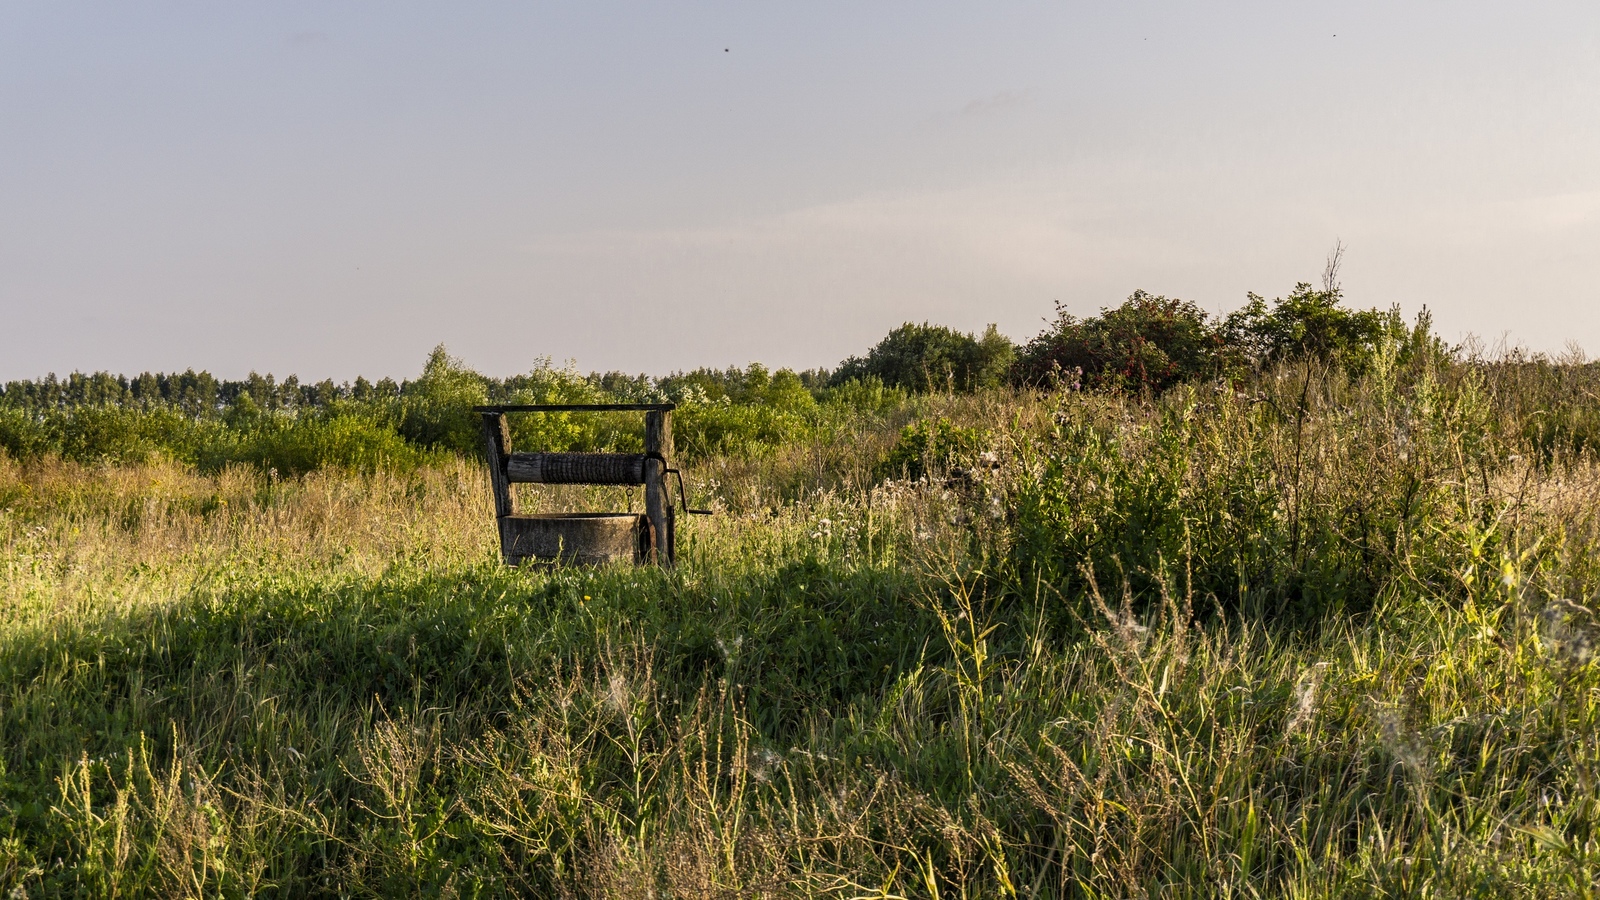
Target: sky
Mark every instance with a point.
(331, 189)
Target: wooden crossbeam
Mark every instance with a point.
(577, 407)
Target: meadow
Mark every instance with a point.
(1319, 630)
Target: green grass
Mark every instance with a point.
(1214, 644)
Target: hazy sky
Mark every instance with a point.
(332, 188)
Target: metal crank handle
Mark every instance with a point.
(683, 496)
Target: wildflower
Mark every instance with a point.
(1568, 631)
(1305, 696)
(618, 696)
(1406, 746)
(762, 764)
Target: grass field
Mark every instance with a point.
(1323, 636)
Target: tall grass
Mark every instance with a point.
(1297, 639)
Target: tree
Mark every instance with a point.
(933, 358)
(437, 407)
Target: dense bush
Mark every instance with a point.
(932, 446)
(867, 395)
(104, 433)
(740, 415)
(927, 358)
(1147, 343)
(436, 409)
(1151, 343)
(355, 440)
(1312, 324)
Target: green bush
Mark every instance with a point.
(105, 434)
(925, 358)
(295, 445)
(556, 432)
(932, 447)
(1312, 323)
(22, 436)
(1147, 343)
(706, 429)
(867, 395)
(740, 415)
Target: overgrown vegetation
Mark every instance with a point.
(1318, 625)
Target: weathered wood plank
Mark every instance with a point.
(496, 447)
(657, 499)
(574, 407)
(655, 510)
(575, 468)
(658, 434)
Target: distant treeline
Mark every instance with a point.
(201, 393)
(1144, 345)
(1147, 342)
(196, 393)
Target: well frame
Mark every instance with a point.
(585, 538)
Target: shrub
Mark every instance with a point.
(738, 412)
(22, 436)
(1312, 323)
(105, 434)
(295, 445)
(864, 395)
(1147, 343)
(547, 383)
(928, 358)
(1258, 510)
(932, 446)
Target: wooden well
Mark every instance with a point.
(589, 538)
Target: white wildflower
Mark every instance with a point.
(1568, 630)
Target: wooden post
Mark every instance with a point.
(497, 447)
(657, 499)
(668, 453)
